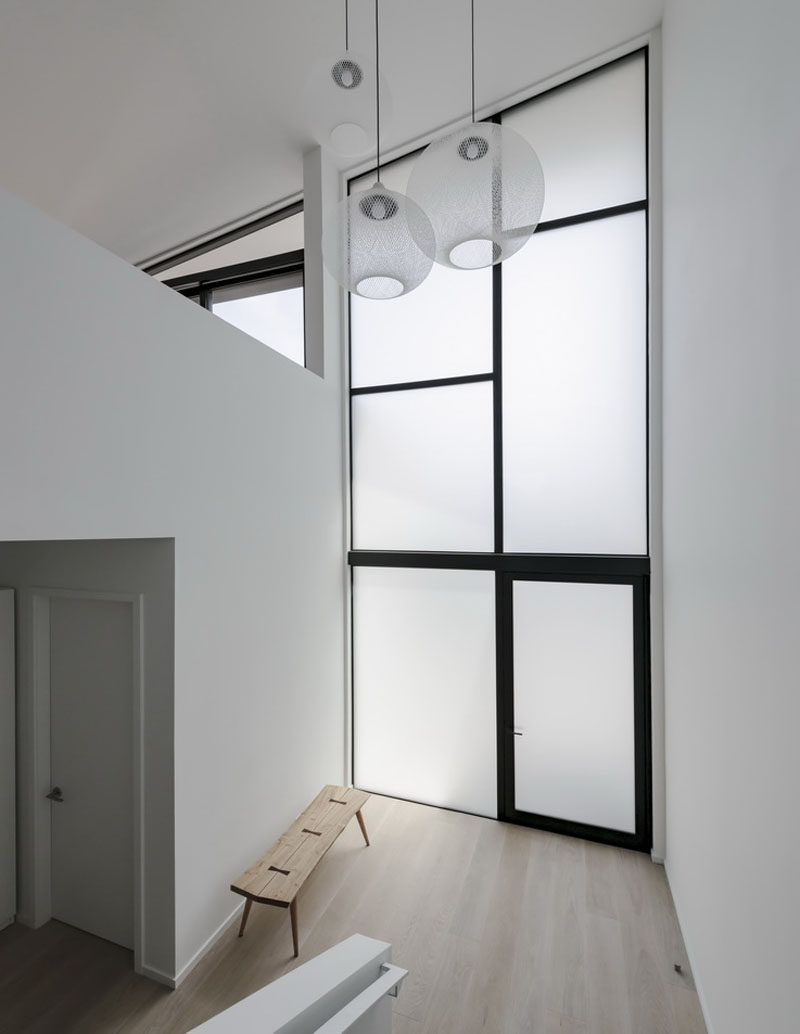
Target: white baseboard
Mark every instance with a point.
(155, 974)
(151, 972)
(207, 945)
(656, 858)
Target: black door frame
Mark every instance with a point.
(641, 839)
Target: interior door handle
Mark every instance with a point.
(519, 732)
(55, 795)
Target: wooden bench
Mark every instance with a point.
(278, 875)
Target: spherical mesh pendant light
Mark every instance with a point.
(338, 99)
(339, 102)
(378, 243)
(483, 188)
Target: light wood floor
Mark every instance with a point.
(503, 930)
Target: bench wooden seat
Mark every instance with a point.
(278, 875)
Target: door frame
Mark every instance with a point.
(641, 839)
(39, 600)
(9, 905)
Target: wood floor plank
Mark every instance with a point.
(403, 1025)
(664, 920)
(422, 953)
(557, 1023)
(608, 1004)
(489, 996)
(630, 883)
(687, 1011)
(530, 963)
(649, 999)
(450, 993)
(470, 919)
(504, 930)
(567, 993)
(600, 875)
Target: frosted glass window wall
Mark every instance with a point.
(569, 326)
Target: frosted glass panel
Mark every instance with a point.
(422, 469)
(424, 686)
(575, 390)
(573, 702)
(442, 329)
(590, 138)
(270, 311)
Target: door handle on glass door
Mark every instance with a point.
(55, 795)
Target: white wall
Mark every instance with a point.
(732, 501)
(127, 411)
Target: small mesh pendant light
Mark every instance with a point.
(483, 188)
(378, 243)
(347, 71)
(339, 99)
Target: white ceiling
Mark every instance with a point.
(145, 123)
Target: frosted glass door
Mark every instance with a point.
(574, 702)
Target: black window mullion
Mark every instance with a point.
(497, 357)
(584, 566)
(642, 740)
(647, 289)
(435, 382)
(503, 642)
(350, 413)
(593, 216)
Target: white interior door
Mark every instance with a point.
(91, 756)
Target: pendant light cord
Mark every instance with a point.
(377, 97)
(472, 11)
(346, 25)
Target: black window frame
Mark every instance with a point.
(627, 569)
(200, 286)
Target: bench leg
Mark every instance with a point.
(247, 906)
(363, 827)
(293, 917)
